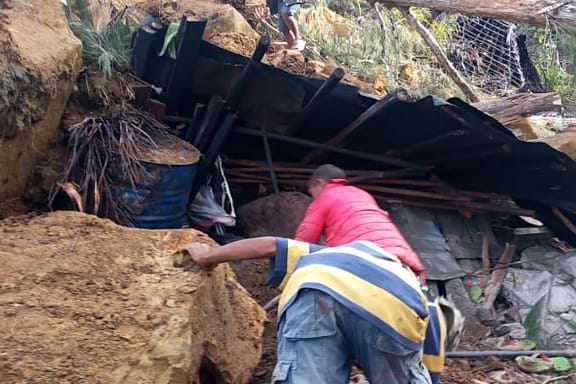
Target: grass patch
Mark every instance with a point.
(379, 43)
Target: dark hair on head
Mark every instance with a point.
(328, 172)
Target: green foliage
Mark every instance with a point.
(107, 47)
(553, 52)
(83, 10)
(533, 326)
(476, 294)
(532, 323)
(441, 26)
(382, 46)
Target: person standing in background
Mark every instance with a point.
(287, 24)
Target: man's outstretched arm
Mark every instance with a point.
(248, 249)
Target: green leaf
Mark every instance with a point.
(533, 324)
(476, 294)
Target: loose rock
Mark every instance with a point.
(83, 300)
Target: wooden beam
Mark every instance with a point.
(485, 253)
(533, 12)
(565, 220)
(496, 281)
(440, 56)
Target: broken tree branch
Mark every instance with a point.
(442, 59)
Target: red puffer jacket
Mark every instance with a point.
(344, 214)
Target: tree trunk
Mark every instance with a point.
(533, 12)
(442, 59)
(513, 108)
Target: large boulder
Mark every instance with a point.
(226, 27)
(526, 287)
(83, 300)
(39, 62)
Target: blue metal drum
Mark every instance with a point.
(160, 199)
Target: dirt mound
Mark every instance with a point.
(235, 42)
(39, 62)
(275, 215)
(253, 10)
(83, 300)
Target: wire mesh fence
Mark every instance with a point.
(486, 52)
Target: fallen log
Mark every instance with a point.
(516, 107)
(531, 12)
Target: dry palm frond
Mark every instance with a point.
(105, 151)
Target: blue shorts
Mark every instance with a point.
(319, 340)
(286, 7)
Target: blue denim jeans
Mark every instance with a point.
(286, 7)
(319, 340)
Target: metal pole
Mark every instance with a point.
(269, 161)
(325, 89)
(249, 69)
(507, 354)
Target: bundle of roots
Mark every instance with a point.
(105, 151)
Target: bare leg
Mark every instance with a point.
(292, 26)
(289, 36)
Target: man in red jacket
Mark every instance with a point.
(344, 214)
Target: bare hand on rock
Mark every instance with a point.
(199, 253)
